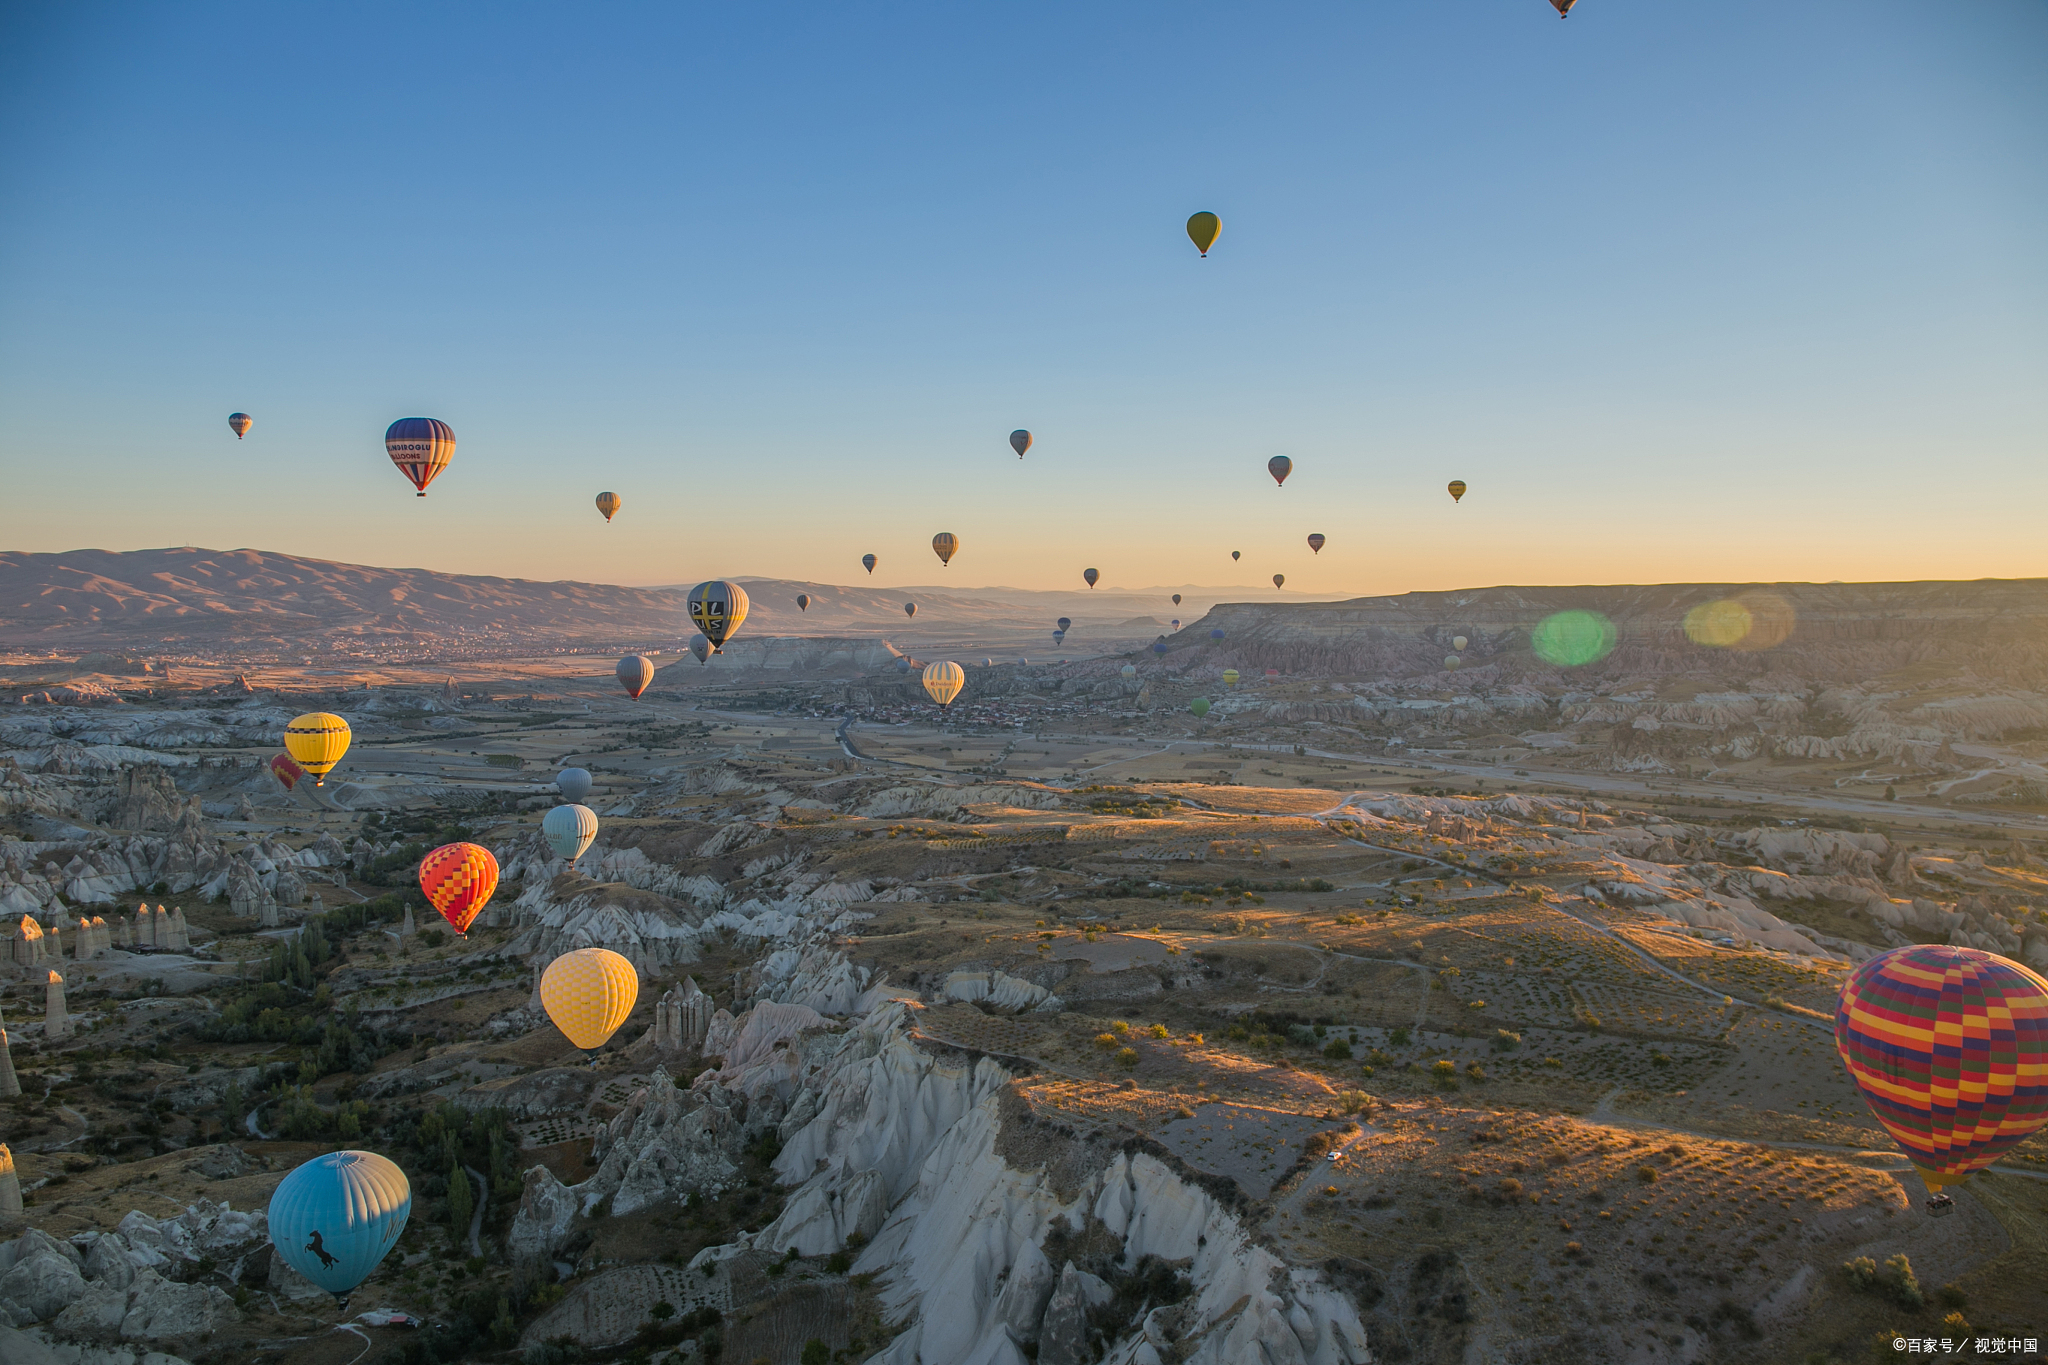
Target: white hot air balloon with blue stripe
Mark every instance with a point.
(336, 1216)
(569, 830)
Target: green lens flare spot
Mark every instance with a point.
(1572, 638)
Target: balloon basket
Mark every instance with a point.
(341, 1302)
(1941, 1206)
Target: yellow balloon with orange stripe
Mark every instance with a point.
(588, 994)
(458, 880)
(316, 741)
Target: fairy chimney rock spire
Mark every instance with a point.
(56, 1020)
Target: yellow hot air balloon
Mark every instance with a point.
(1230, 677)
(608, 503)
(1456, 488)
(588, 994)
(1202, 230)
(317, 740)
(945, 545)
(943, 681)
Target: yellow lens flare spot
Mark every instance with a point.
(1719, 623)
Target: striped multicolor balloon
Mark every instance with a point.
(1950, 1048)
(421, 447)
(458, 879)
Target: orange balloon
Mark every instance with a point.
(458, 879)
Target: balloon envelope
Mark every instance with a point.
(608, 503)
(286, 771)
(1216, 634)
(1458, 642)
(700, 647)
(1064, 623)
(1279, 580)
(1230, 677)
(573, 783)
(1279, 467)
(1235, 553)
(910, 608)
(1176, 599)
(1203, 228)
(717, 608)
(239, 423)
(1091, 575)
(421, 447)
(803, 601)
(1159, 646)
(317, 740)
(1129, 670)
(1456, 489)
(868, 562)
(1020, 441)
(945, 545)
(1451, 661)
(458, 879)
(1200, 706)
(1176, 623)
(1316, 542)
(1059, 637)
(588, 994)
(635, 671)
(1950, 1049)
(943, 682)
(569, 830)
(334, 1217)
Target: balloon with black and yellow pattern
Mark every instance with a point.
(945, 545)
(239, 423)
(1456, 488)
(609, 504)
(717, 608)
(316, 741)
(1203, 229)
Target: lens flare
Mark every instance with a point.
(1719, 623)
(1572, 638)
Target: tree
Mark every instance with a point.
(816, 1352)
(461, 1203)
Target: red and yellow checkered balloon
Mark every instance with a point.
(458, 879)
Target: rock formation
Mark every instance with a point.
(10, 1183)
(149, 799)
(681, 1017)
(56, 1021)
(26, 947)
(10, 1084)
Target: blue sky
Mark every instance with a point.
(1724, 291)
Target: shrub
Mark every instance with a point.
(1105, 1041)
(1158, 1031)
(1895, 1281)
(1128, 1058)
(1399, 1037)
(1505, 1040)
(816, 1352)
(1353, 1101)
(1337, 1050)
(1647, 1174)
(1119, 1026)
(1444, 1067)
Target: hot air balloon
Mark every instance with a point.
(334, 1218)
(1091, 575)
(588, 993)
(1457, 489)
(1176, 623)
(1159, 646)
(1950, 1049)
(635, 672)
(1176, 599)
(1563, 7)
(1202, 230)
(569, 830)
(988, 663)
(717, 608)
(239, 423)
(286, 771)
(608, 503)
(1316, 542)
(1235, 553)
(421, 448)
(1451, 661)
(1059, 637)
(902, 664)
(868, 562)
(910, 608)
(1216, 634)
(803, 601)
(701, 648)
(317, 740)
(943, 681)
(945, 545)
(1064, 623)
(1129, 670)
(458, 879)
(1279, 580)
(573, 783)
(1230, 677)
(1200, 706)
(1020, 441)
(1279, 467)
(1458, 643)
